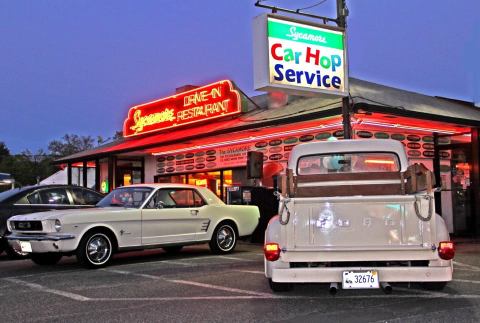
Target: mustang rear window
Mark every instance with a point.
(362, 162)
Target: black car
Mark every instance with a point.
(38, 199)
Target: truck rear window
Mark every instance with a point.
(364, 162)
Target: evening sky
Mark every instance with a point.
(77, 66)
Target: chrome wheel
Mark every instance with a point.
(225, 238)
(98, 249)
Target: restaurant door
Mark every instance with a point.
(128, 172)
(455, 174)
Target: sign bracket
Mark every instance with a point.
(297, 12)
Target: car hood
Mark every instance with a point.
(59, 214)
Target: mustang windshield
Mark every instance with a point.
(131, 197)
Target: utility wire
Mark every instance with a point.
(312, 6)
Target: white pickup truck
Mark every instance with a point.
(353, 214)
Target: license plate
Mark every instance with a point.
(360, 279)
(25, 246)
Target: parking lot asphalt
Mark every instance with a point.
(197, 286)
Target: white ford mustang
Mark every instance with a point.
(133, 217)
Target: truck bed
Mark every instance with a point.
(359, 227)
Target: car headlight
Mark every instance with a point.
(9, 226)
(58, 225)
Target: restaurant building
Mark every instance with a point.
(201, 136)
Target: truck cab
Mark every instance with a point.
(354, 214)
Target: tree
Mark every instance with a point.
(118, 135)
(28, 167)
(70, 144)
(4, 151)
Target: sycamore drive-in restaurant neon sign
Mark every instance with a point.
(299, 57)
(204, 103)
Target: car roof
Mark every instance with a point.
(36, 187)
(31, 188)
(165, 185)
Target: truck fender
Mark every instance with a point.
(441, 228)
(441, 235)
(272, 234)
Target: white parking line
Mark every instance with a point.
(469, 267)
(41, 288)
(168, 262)
(251, 272)
(55, 273)
(188, 298)
(290, 297)
(227, 289)
(235, 258)
(467, 281)
(124, 272)
(250, 294)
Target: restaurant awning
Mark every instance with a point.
(365, 96)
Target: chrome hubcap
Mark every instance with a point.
(225, 238)
(98, 249)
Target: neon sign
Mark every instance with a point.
(204, 103)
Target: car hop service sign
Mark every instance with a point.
(299, 57)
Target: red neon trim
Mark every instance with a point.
(247, 137)
(210, 102)
(405, 123)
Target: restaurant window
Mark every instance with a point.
(178, 179)
(210, 180)
(217, 181)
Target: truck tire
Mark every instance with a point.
(46, 259)
(279, 287)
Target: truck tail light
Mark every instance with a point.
(272, 251)
(446, 250)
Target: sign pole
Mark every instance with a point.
(342, 13)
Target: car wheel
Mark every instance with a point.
(280, 287)
(13, 253)
(224, 239)
(45, 259)
(434, 285)
(95, 250)
(172, 249)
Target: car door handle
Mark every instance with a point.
(193, 212)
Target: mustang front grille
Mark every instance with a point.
(27, 225)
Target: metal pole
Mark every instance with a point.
(475, 182)
(85, 174)
(69, 173)
(342, 13)
(436, 172)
